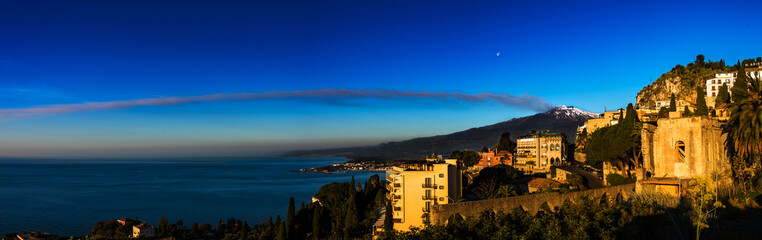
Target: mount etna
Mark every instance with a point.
(558, 119)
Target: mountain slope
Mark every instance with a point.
(559, 119)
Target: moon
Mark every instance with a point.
(497, 54)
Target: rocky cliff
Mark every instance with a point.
(682, 81)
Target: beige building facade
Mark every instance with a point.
(679, 149)
(415, 186)
(536, 152)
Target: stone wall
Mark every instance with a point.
(531, 203)
(702, 149)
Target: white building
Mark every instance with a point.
(713, 84)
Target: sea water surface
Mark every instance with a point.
(67, 197)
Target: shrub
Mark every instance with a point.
(616, 179)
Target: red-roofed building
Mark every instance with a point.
(493, 157)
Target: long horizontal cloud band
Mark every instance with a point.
(524, 101)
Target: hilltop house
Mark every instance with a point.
(713, 84)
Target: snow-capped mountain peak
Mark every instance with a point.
(570, 112)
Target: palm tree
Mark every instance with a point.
(745, 124)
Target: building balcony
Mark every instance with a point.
(392, 186)
(393, 196)
(424, 209)
(429, 185)
(424, 197)
(397, 209)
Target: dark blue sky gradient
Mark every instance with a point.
(587, 54)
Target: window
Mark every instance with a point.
(441, 187)
(680, 150)
(441, 175)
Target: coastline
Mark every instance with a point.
(351, 165)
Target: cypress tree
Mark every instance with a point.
(220, 230)
(194, 230)
(316, 215)
(740, 86)
(505, 143)
(163, 227)
(290, 218)
(663, 112)
(632, 115)
(270, 229)
(245, 231)
(701, 108)
(389, 218)
(723, 96)
(282, 231)
(687, 111)
(621, 115)
(672, 103)
(350, 221)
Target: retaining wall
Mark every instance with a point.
(531, 203)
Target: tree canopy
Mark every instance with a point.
(631, 115)
(469, 158)
(672, 103)
(663, 112)
(618, 144)
(505, 143)
(723, 96)
(701, 108)
(740, 86)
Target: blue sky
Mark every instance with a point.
(589, 54)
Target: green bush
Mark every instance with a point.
(616, 179)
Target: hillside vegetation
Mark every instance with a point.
(682, 81)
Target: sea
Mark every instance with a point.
(67, 197)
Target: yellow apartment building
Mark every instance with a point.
(612, 118)
(536, 152)
(606, 119)
(415, 186)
